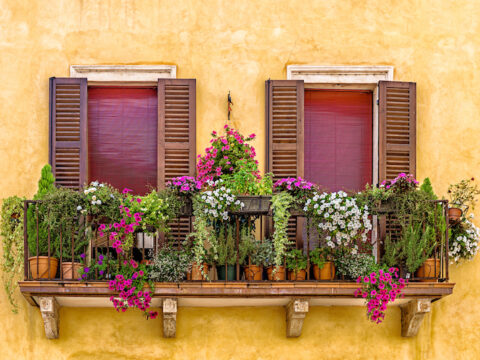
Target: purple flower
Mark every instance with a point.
(82, 256)
(86, 269)
(100, 257)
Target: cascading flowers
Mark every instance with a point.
(378, 289)
(218, 201)
(339, 218)
(185, 185)
(463, 244)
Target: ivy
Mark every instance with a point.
(281, 203)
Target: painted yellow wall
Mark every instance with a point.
(236, 45)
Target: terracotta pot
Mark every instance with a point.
(253, 272)
(41, 272)
(279, 274)
(454, 214)
(146, 262)
(429, 269)
(327, 272)
(297, 275)
(196, 272)
(67, 270)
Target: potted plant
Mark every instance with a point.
(351, 264)
(100, 203)
(257, 254)
(463, 197)
(184, 187)
(11, 231)
(296, 265)
(171, 264)
(226, 254)
(299, 189)
(323, 266)
(274, 272)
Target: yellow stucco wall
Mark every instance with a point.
(236, 45)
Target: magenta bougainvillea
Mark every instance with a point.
(225, 155)
(379, 289)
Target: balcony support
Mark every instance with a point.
(296, 311)
(413, 313)
(169, 314)
(50, 312)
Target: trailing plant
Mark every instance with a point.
(379, 288)
(222, 157)
(463, 241)
(402, 183)
(184, 185)
(255, 252)
(319, 256)
(296, 260)
(281, 203)
(171, 264)
(11, 230)
(101, 200)
(372, 197)
(352, 265)
(464, 194)
(300, 189)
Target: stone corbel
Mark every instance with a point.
(296, 311)
(169, 314)
(50, 309)
(413, 313)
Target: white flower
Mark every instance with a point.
(94, 198)
(79, 208)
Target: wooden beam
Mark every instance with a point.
(169, 314)
(296, 311)
(49, 308)
(412, 316)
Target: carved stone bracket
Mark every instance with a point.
(296, 311)
(49, 308)
(412, 316)
(169, 313)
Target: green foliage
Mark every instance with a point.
(352, 265)
(392, 252)
(296, 260)
(11, 230)
(171, 264)
(427, 188)
(245, 181)
(372, 197)
(226, 252)
(281, 203)
(102, 201)
(319, 256)
(464, 194)
(255, 252)
(417, 246)
(46, 183)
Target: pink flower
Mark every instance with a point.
(126, 191)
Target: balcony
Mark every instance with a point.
(59, 285)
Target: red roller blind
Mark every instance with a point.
(122, 137)
(338, 138)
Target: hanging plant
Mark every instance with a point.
(281, 203)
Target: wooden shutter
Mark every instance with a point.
(397, 129)
(68, 131)
(176, 139)
(285, 129)
(176, 129)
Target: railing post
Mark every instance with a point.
(25, 240)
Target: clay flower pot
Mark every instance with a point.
(196, 272)
(327, 272)
(279, 275)
(67, 270)
(253, 272)
(454, 214)
(297, 275)
(429, 269)
(39, 267)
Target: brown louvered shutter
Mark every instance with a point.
(176, 129)
(68, 131)
(397, 129)
(176, 139)
(285, 136)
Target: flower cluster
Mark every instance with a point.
(185, 185)
(121, 233)
(464, 241)
(401, 183)
(340, 218)
(218, 201)
(297, 187)
(378, 289)
(223, 155)
(131, 290)
(99, 199)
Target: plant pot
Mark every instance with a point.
(454, 214)
(196, 272)
(254, 204)
(279, 275)
(231, 273)
(41, 272)
(253, 272)
(429, 269)
(146, 262)
(67, 270)
(327, 272)
(297, 275)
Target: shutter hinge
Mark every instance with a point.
(378, 101)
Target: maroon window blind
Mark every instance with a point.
(338, 138)
(122, 137)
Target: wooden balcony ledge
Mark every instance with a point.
(295, 296)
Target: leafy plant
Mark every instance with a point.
(281, 203)
(171, 264)
(255, 252)
(463, 242)
(245, 180)
(11, 230)
(101, 201)
(226, 252)
(319, 256)
(464, 194)
(296, 260)
(354, 265)
(417, 246)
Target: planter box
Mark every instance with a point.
(187, 207)
(254, 204)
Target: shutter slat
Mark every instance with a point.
(68, 131)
